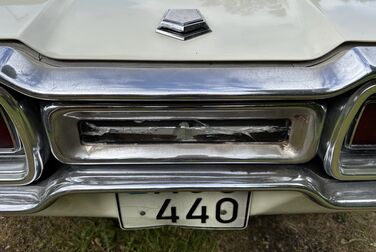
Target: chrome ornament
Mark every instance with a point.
(183, 24)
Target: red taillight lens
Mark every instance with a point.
(6, 140)
(365, 132)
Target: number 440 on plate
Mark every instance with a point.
(223, 210)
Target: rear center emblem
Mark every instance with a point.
(183, 24)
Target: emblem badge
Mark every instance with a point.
(183, 24)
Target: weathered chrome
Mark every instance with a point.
(52, 80)
(193, 131)
(340, 160)
(306, 120)
(183, 24)
(308, 179)
(23, 164)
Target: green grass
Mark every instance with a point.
(96, 234)
(106, 236)
(343, 232)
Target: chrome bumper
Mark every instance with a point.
(309, 179)
(36, 76)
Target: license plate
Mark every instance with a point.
(202, 209)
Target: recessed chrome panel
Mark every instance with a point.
(62, 124)
(341, 159)
(24, 163)
(168, 131)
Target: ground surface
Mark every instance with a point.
(314, 232)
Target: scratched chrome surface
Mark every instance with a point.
(52, 80)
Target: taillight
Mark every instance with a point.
(6, 139)
(365, 129)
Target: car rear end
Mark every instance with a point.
(182, 130)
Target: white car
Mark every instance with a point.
(190, 113)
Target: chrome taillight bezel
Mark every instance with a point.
(61, 122)
(336, 139)
(28, 141)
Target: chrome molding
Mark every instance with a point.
(52, 80)
(77, 179)
(61, 122)
(338, 129)
(30, 151)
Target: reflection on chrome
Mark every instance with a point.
(341, 160)
(238, 81)
(308, 179)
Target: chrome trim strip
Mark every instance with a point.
(61, 122)
(53, 80)
(33, 145)
(339, 121)
(308, 179)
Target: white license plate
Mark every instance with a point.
(201, 209)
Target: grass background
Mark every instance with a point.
(313, 232)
